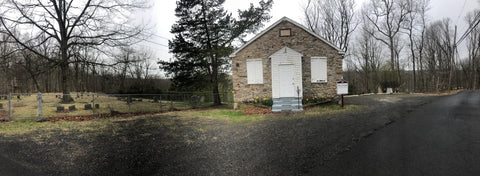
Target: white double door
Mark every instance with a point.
(287, 80)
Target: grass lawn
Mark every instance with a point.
(224, 113)
(27, 106)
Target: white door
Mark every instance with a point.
(286, 78)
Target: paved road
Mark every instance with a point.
(441, 138)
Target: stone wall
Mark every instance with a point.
(300, 41)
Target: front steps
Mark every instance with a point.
(287, 104)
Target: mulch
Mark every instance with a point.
(257, 110)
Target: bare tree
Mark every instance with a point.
(387, 18)
(473, 47)
(369, 54)
(332, 19)
(415, 27)
(438, 52)
(69, 24)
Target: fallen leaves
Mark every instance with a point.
(256, 110)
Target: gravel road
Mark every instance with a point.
(283, 144)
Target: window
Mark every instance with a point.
(255, 71)
(319, 69)
(285, 32)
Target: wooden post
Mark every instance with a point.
(40, 106)
(453, 60)
(342, 100)
(93, 104)
(10, 106)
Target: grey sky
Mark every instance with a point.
(161, 15)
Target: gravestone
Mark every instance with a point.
(72, 108)
(97, 106)
(389, 90)
(60, 108)
(379, 90)
(88, 107)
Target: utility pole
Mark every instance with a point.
(453, 58)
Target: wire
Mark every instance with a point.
(461, 12)
(471, 27)
(156, 43)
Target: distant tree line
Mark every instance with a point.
(22, 71)
(396, 45)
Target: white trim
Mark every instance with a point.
(296, 24)
(285, 56)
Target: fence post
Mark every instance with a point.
(129, 101)
(10, 106)
(93, 104)
(40, 105)
(171, 101)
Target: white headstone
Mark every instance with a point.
(389, 90)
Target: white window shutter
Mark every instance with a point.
(254, 71)
(319, 69)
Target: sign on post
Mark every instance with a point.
(342, 88)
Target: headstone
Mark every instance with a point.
(389, 90)
(88, 107)
(72, 108)
(97, 106)
(60, 108)
(380, 90)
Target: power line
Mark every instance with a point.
(471, 27)
(156, 43)
(461, 12)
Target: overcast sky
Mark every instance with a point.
(161, 17)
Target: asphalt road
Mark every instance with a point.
(440, 138)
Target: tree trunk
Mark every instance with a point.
(214, 78)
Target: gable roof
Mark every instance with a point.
(294, 23)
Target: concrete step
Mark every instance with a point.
(287, 104)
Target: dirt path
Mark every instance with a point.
(283, 144)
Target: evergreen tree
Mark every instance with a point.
(204, 34)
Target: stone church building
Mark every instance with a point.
(286, 62)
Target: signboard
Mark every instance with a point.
(342, 87)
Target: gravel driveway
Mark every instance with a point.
(282, 144)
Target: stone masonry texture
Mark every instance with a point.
(269, 43)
